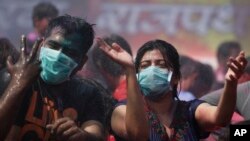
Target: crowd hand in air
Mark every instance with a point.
(236, 67)
(117, 53)
(27, 68)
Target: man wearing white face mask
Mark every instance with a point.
(43, 100)
(57, 66)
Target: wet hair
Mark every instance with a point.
(73, 25)
(169, 54)
(44, 10)
(7, 49)
(104, 62)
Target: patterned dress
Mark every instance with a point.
(183, 126)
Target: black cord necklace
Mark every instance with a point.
(49, 102)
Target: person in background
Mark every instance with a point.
(109, 74)
(197, 78)
(101, 68)
(246, 75)
(243, 94)
(203, 81)
(224, 51)
(158, 73)
(241, 113)
(42, 13)
(44, 101)
(189, 72)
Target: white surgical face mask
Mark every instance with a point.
(154, 82)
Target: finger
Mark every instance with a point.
(233, 78)
(116, 47)
(232, 66)
(243, 61)
(70, 132)
(235, 71)
(101, 41)
(57, 123)
(237, 65)
(103, 45)
(23, 46)
(9, 63)
(242, 53)
(65, 126)
(34, 50)
(49, 126)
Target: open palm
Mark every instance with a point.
(116, 53)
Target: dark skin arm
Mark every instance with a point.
(65, 129)
(23, 73)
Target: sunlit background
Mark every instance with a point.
(194, 27)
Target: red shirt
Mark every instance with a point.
(120, 92)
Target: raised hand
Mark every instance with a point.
(27, 67)
(116, 53)
(236, 67)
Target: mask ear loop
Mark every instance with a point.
(175, 96)
(170, 76)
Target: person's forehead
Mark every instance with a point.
(71, 41)
(152, 55)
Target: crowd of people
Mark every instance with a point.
(61, 86)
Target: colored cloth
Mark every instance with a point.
(184, 126)
(80, 100)
(120, 92)
(186, 96)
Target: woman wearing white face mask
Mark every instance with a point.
(164, 116)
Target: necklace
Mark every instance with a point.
(49, 102)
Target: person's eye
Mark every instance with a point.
(53, 46)
(144, 65)
(162, 65)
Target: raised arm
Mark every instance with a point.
(22, 75)
(135, 117)
(210, 117)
